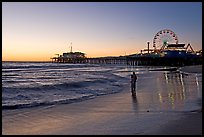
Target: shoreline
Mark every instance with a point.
(112, 114)
(92, 117)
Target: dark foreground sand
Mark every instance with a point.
(115, 114)
(190, 124)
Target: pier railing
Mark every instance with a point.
(134, 61)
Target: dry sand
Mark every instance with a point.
(114, 114)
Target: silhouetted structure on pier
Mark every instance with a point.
(70, 57)
(166, 52)
(136, 60)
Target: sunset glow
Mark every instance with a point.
(35, 31)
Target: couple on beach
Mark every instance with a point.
(133, 79)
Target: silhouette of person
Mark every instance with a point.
(133, 83)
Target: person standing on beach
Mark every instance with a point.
(133, 83)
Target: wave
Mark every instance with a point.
(39, 84)
(15, 98)
(59, 86)
(36, 104)
(19, 66)
(79, 95)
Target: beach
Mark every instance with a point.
(152, 112)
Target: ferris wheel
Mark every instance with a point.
(163, 38)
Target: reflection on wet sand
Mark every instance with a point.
(170, 91)
(135, 103)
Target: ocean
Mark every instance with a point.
(26, 84)
(32, 84)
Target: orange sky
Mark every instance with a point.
(37, 31)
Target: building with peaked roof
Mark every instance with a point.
(70, 57)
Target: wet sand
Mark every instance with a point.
(189, 124)
(192, 69)
(154, 111)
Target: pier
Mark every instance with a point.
(137, 61)
(163, 53)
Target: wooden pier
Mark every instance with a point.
(169, 55)
(135, 61)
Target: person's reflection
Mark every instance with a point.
(134, 104)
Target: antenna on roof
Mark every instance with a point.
(71, 47)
